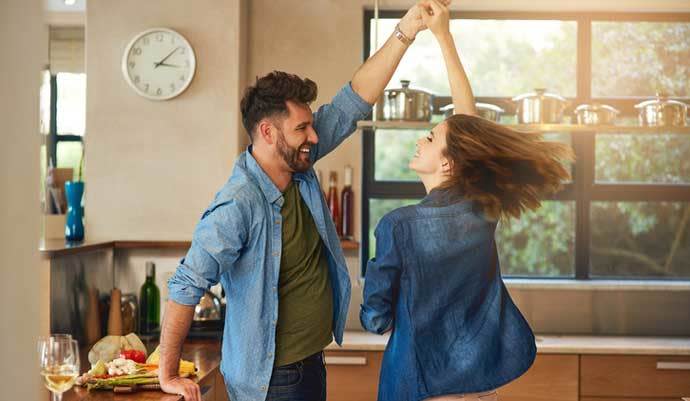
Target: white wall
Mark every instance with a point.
(152, 167)
(22, 45)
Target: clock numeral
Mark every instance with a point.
(172, 39)
(183, 50)
(136, 51)
(136, 79)
(146, 87)
(159, 37)
(145, 40)
(182, 78)
(131, 64)
(172, 87)
(159, 92)
(186, 63)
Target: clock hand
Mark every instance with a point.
(169, 65)
(156, 65)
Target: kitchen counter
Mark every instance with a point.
(204, 353)
(56, 247)
(550, 344)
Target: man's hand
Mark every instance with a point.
(182, 386)
(435, 15)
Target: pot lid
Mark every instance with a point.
(596, 107)
(482, 106)
(661, 100)
(488, 106)
(538, 93)
(406, 88)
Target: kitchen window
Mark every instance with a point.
(626, 214)
(63, 98)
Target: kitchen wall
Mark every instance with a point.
(151, 167)
(23, 41)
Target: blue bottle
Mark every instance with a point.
(74, 227)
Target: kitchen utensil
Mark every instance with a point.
(92, 331)
(540, 107)
(405, 104)
(488, 111)
(208, 308)
(662, 111)
(595, 114)
(115, 313)
(130, 313)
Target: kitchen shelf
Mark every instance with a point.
(54, 248)
(613, 129)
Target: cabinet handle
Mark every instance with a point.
(346, 360)
(673, 365)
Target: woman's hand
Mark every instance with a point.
(435, 16)
(412, 23)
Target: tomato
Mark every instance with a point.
(134, 355)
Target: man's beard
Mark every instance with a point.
(292, 156)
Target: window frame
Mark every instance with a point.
(53, 137)
(583, 190)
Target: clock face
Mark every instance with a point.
(159, 64)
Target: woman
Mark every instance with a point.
(435, 280)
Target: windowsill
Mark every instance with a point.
(598, 285)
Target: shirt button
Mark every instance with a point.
(275, 289)
(275, 253)
(270, 355)
(277, 221)
(274, 322)
(263, 387)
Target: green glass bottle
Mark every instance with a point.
(149, 302)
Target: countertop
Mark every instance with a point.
(57, 247)
(551, 344)
(204, 353)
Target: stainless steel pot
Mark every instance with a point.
(405, 104)
(484, 110)
(540, 107)
(662, 111)
(595, 114)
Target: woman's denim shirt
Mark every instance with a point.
(436, 282)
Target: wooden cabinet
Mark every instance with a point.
(627, 399)
(213, 387)
(551, 378)
(635, 376)
(353, 375)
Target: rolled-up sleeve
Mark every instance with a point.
(217, 243)
(382, 281)
(337, 120)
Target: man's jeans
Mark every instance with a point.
(300, 381)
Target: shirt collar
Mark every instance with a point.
(269, 189)
(439, 197)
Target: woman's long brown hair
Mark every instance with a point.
(505, 171)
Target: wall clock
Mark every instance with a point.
(158, 64)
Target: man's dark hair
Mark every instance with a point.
(268, 96)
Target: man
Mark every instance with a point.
(269, 240)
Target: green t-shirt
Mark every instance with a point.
(305, 308)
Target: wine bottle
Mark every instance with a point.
(347, 204)
(149, 302)
(332, 200)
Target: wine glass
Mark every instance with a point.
(59, 361)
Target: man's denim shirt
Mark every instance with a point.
(436, 282)
(238, 242)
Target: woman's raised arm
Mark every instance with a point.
(437, 18)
